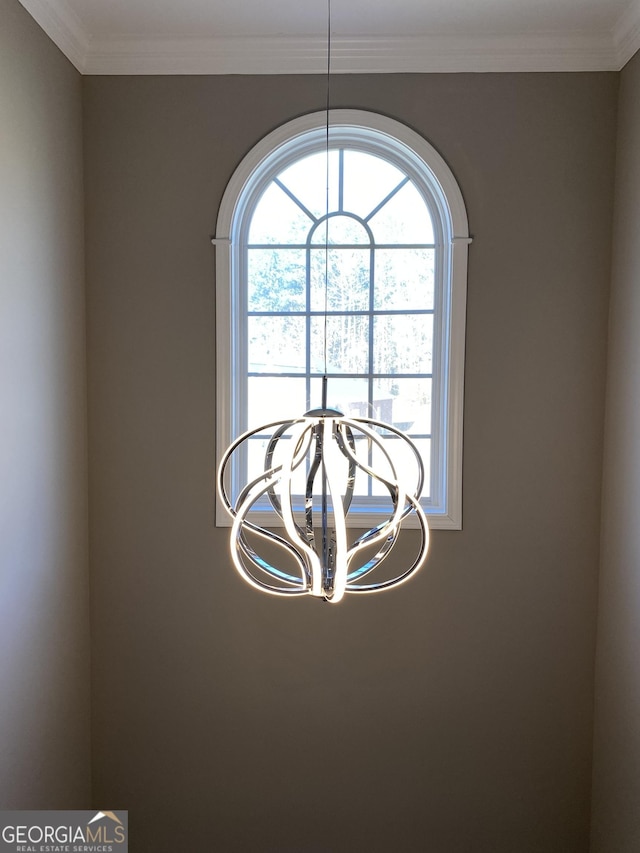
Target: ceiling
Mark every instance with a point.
(289, 36)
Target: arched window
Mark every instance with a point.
(392, 287)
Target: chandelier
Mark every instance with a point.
(310, 469)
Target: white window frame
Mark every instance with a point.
(395, 142)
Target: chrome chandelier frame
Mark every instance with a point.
(323, 442)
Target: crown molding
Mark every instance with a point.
(626, 33)
(64, 28)
(363, 55)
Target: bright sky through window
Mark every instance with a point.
(391, 282)
(379, 296)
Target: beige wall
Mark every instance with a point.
(454, 714)
(44, 632)
(616, 787)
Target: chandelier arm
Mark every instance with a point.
(393, 488)
(310, 556)
(379, 442)
(241, 523)
(271, 537)
(390, 428)
(378, 558)
(337, 572)
(418, 562)
(243, 552)
(232, 510)
(299, 456)
(268, 462)
(349, 452)
(308, 496)
(387, 530)
(324, 439)
(222, 490)
(247, 553)
(248, 577)
(351, 476)
(269, 478)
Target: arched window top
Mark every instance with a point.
(359, 131)
(396, 227)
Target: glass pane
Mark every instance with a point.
(404, 279)
(278, 219)
(276, 344)
(402, 343)
(307, 180)
(349, 396)
(340, 230)
(367, 180)
(404, 462)
(271, 398)
(347, 344)
(347, 282)
(403, 403)
(405, 218)
(276, 279)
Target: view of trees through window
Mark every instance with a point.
(350, 294)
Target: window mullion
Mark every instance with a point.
(387, 198)
(372, 284)
(308, 328)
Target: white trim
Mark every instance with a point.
(436, 521)
(417, 154)
(626, 33)
(63, 26)
(269, 144)
(351, 55)
(92, 54)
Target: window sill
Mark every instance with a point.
(356, 520)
